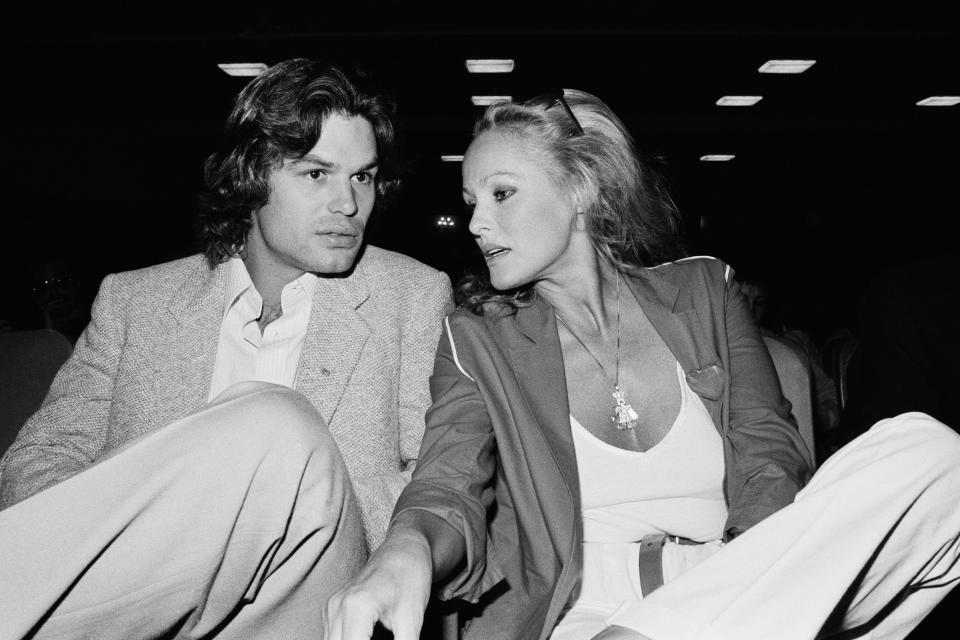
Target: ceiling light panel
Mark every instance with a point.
(939, 101)
(243, 69)
(489, 65)
(452, 158)
(483, 101)
(739, 101)
(717, 157)
(786, 66)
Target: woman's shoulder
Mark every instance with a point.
(692, 269)
(480, 319)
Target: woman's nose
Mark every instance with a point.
(479, 221)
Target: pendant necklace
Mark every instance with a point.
(624, 417)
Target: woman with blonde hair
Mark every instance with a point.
(609, 454)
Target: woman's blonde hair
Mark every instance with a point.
(631, 218)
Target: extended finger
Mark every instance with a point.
(358, 624)
(406, 626)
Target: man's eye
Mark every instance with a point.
(315, 174)
(502, 194)
(363, 178)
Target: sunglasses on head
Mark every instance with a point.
(551, 99)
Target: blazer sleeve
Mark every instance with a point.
(766, 457)
(422, 321)
(457, 466)
(69, 430)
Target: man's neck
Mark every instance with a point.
(268, 315)
(270, 280)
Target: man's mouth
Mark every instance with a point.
(339, 230)
(339, 238)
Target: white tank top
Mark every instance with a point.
(675, 487)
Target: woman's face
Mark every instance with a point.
(522, 223)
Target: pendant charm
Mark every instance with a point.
(625, 417)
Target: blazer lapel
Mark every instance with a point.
(538, 363)
(188, 349)
(336, 335)
(681, 329)
(537, 360)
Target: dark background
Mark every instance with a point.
(111, 111)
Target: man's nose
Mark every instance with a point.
(343, 200)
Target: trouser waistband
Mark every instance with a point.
(651, 559)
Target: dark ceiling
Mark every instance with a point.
(837, 171)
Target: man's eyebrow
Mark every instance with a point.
(314, 160)
(373, 164)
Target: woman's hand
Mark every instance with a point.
(393, 588)
(614, 632)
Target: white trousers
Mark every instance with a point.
(868, 548)
(238, 521)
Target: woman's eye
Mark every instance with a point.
(363, 178)
(502, 194)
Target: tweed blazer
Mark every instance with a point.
(498, 462)
(146, 360)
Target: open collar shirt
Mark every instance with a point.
(243, 353)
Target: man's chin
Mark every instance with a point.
(337, 262)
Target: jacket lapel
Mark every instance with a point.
(336, 335)
(538, 363)
(676, 322)
(186, 353)
(681, 328)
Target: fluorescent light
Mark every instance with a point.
(446, 221)
(483, 101)
(452, 158)
(243, 68)
(717, 157)
(490, 65)
(939, 101)
(739, 101)
(786, 66)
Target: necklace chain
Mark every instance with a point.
(624, 415)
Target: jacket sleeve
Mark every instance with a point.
(422, 322)
(457, 466)
(69, 430)
(767, 461)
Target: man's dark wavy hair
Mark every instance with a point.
(277, 117)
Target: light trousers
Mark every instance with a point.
(867, 549)
(238, 521)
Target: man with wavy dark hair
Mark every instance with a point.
(229, 438)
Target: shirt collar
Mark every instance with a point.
(237, 284)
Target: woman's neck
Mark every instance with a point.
(585, 297)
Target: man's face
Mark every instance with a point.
(318, 205)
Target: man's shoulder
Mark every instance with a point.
(159, 278)
(172, 270)
(383, 261)
(398, 276)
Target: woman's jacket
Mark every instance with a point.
(497, 460)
